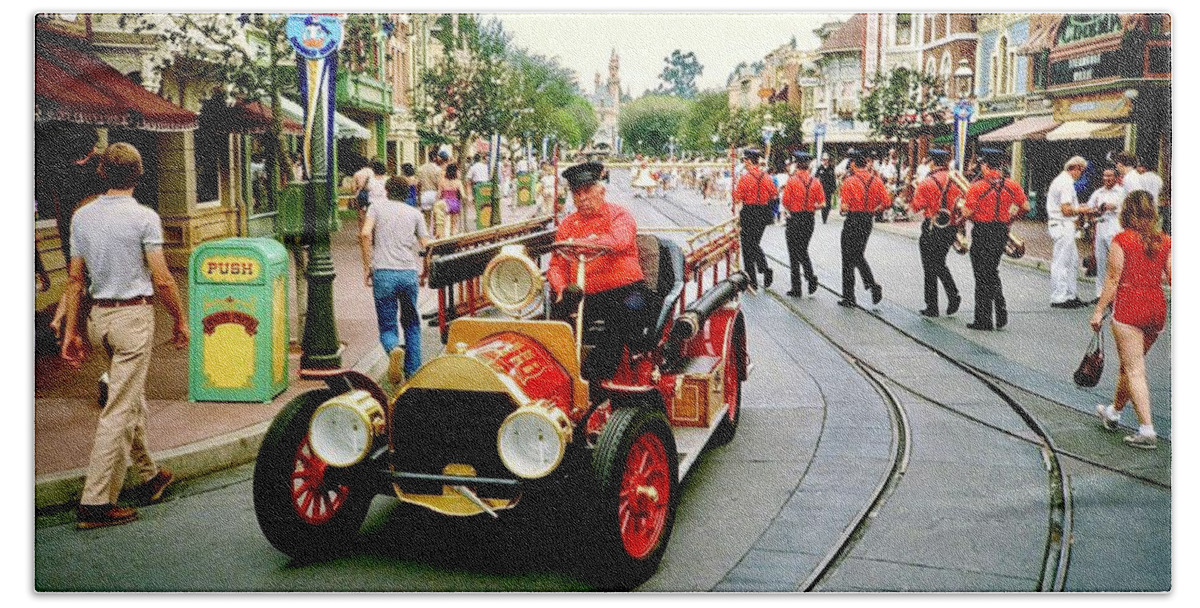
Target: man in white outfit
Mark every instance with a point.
(1106, 203)
(1130, 179)
(1062, 205)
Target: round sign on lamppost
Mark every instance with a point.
(314, 36)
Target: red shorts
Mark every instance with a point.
(1145, 309)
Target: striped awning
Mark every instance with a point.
(343, 127)
(1083, 129)
(1033, 127)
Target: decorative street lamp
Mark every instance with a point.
(962, 111)
(768, 133)
(316, 39)
(819, 135)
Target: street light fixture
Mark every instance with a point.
(962, 111)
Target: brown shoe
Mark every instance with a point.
(155, 487)
(100, 516)
(395, 373)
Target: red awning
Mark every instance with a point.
(75, 86)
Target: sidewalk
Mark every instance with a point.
(194, 439)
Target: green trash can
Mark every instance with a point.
(525, 188)
(483, 204)
(238, 312)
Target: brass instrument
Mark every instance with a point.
(962, 243)
(1015, 247)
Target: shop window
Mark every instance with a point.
(212, 150)
(1003, 68)
(1158, 60)
(903, 29)
(1041, 69)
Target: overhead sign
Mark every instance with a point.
(314, 36)
(1075, 28)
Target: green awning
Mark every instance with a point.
(977, 128)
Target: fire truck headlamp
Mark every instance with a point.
(343, 429)
(533, 439)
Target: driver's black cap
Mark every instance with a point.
(583, 175)
(939, 156)
(992, 156)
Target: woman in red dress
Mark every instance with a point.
(1134, 285)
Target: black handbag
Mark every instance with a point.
(1091, 367)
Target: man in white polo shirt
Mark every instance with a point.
(1105, 202)
(119, 242)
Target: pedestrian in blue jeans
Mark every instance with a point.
(391, 236)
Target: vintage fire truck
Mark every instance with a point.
(503, 417)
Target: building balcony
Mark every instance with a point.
(359, 91)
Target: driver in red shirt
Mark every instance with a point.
(616, 289)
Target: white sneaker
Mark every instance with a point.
(1109, 424)
(1144, 442)
(396, 366)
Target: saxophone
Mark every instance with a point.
(962, 243)
(1014, 248)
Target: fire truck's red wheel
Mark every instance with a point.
(637, 471)
(302, 509)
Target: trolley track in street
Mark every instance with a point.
(1060, 523)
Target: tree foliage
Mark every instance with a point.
(248, 53)
(710, 110)
(679, 74)
(648, 123)
(483, 85)
(901, 104)
(465, 89)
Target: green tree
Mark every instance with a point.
(710, 110)
(902, 104)
(585, 117)
(248, 53)
(679, 74)
(647, 124)
(466, 86)
(790, 134)
(550, 93)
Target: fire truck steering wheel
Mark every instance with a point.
(580, 251)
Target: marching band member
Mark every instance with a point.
(802, 196)
(989, 207)
(862, 195)
(937, 194)
(755, 189)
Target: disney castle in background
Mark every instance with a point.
(607, 103)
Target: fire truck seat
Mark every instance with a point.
(662, 265)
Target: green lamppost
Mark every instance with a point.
(316, 38)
